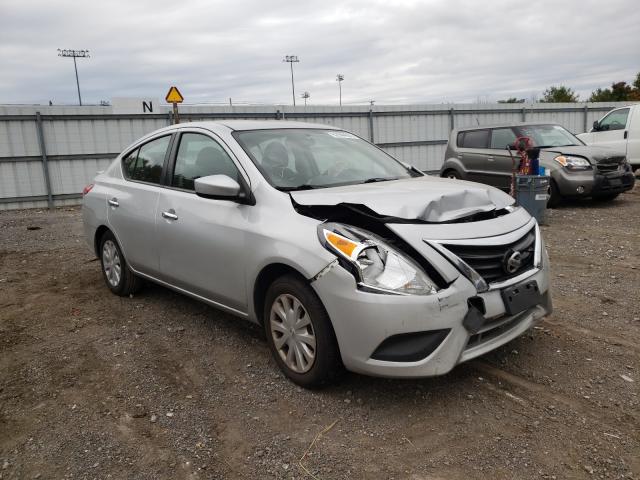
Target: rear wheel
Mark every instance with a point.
(452, 174)
(300, 334)
(115, 270)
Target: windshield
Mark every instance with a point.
(548, 136)
(298, 159)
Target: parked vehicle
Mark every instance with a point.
(342, 253)
(480, 154)
(619, 129)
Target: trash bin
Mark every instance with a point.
(532, 193)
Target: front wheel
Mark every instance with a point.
(300, 334)
(554, 195)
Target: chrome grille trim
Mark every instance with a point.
(472, 275)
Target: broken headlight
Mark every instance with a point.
(378, 266)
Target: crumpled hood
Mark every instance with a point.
(592, 153)
(430, 199)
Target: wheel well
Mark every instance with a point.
(265, 278)
(96, 239)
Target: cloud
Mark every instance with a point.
(392, 51)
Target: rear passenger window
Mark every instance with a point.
(129, 163)
(200, 156)
(501, 137)
(145, 163)
(475, 139)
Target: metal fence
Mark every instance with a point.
(48, 154)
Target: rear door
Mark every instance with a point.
(133, 201)
(473, 152)
(202, 240)
(498, 159)
(613, 130)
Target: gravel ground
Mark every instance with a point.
(160, 386)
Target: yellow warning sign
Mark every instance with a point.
(174, 96)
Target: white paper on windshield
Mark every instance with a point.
(348, 135)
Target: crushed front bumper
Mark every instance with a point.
(363, 321)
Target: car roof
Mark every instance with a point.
(236, 125)
(502, 125)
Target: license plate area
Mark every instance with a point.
(521, 297)
(615, 182)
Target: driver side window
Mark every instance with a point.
(200, 156)
(616, 120)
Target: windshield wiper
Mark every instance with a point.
(304, 186)
(378, 179)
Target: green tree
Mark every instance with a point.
(635, 93)
(512, 100)
(559, 94)
(619, 92)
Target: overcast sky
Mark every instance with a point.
(390, 51)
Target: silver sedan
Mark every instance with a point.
(346, 256)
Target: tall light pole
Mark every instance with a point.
(339, 79)
(75, 54)
(305, 95)
(291, 59)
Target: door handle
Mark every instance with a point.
(626, 134)
(170, 214)
(489, 159)
(114, 202)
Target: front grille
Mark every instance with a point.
(490, 260)
(607, 167)
(610, 164)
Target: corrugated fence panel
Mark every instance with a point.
(71, 176)
(18, 139)
(424, 157)
(21, 179)
(415, 134)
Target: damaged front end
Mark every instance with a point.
(433, 290)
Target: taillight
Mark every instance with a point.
(87, 189)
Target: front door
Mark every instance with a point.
(133, 202)
(201, 240)
(612, 130)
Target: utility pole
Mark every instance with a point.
(75, 54)
(339, 79)
(291, 59)
(305, 95)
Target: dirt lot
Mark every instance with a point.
(160, 386)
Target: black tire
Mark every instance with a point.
(605, 198)
(451, 173)
(128, 282)
(327, 365)
(555, 198)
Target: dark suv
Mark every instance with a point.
(480, 154)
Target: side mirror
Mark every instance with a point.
(596, 126)
(219, 187)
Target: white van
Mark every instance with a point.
(618, 129)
